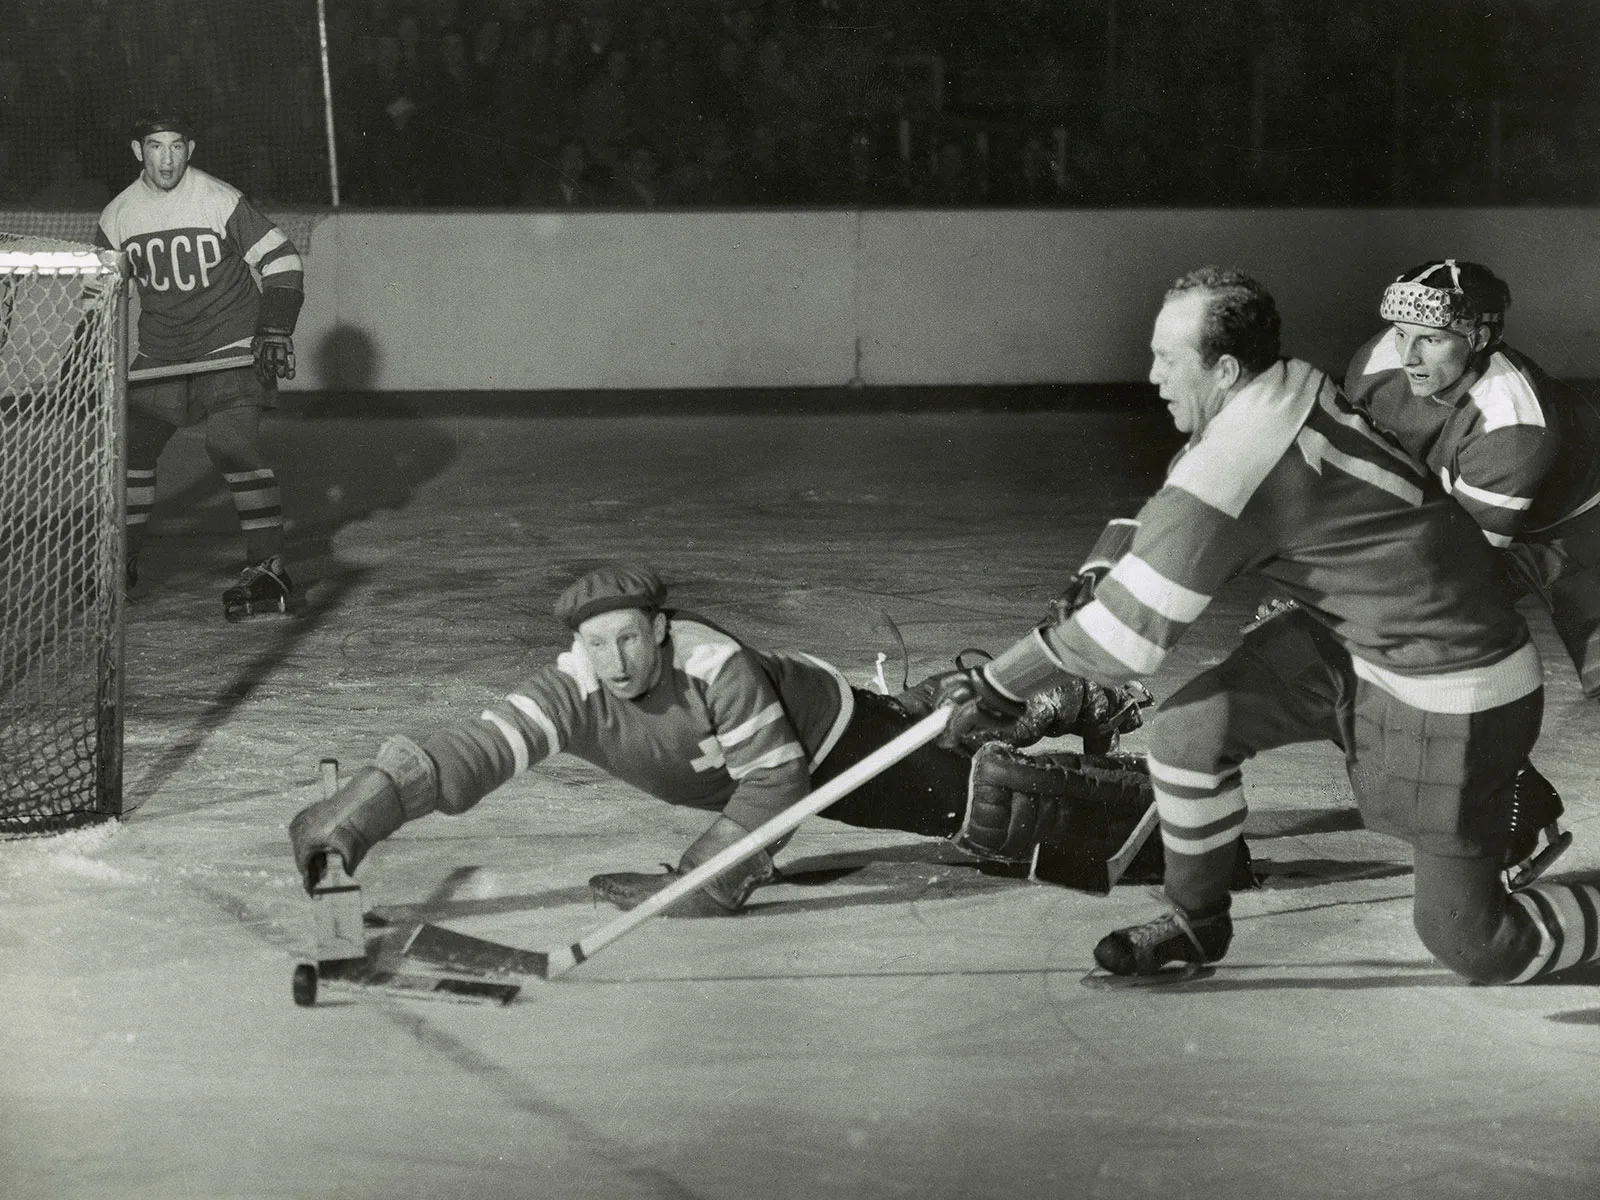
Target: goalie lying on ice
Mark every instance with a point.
(674, 705)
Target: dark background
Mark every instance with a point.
(639, 103)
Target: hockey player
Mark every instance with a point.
(670, 703)
(1397, 652)
(1519, 450)
(197, 247)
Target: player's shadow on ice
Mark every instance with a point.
(883, 875)
(1303, 822)
(1385, 974)
(890, 875)
(190, 731)
(340, 455)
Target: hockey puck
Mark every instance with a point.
(305, 985)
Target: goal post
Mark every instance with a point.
(63, 384)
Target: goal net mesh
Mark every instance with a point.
(62, 383)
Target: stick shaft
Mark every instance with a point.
(1117, 865)
(880, 760)
(194, 368)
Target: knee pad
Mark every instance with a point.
(231, 441)
(1469, 926)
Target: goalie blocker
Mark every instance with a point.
(1084, 821)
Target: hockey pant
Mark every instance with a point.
(1439, 780)
(230, 404)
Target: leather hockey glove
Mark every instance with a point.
(273, 350)
(348, 823)
(1078, 592)
(723, 896)
(979, 707)
(1115, 540)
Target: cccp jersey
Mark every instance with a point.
(192, 251)
(1519, 450)
(1288, 482)
(727, 728)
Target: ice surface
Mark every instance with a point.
(888, 1024)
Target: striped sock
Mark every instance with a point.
(1202, 818)
(1567, 917)
(141, 485)
(259, 504)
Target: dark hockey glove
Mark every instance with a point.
(723, 896)
(349, 823)
(1099, 715)
(979, 707)
(274, 355)
(1114, 541)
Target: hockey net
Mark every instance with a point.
(63, 376)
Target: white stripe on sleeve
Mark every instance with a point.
(514, 739)
(748, 729)
(526, 706)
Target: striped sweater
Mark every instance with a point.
(1289, 483)
(193, 251)
(1519, 450)
(727, 728)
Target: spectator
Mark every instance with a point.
(387, 171)
(569, 182)
(603, 109)
(638, 184)
(712, 177)
(463, 157)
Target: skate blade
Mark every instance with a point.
(1530, 869)
(236, 613)
(1188, 973)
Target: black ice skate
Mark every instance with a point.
(1536, 811)
(263, 587)
(1171, 947)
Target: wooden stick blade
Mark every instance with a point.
(362, 976)
(462, 954)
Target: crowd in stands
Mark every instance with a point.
(644, 103)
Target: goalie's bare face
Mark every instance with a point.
(625, 649)
(165, 156)
(1193, 391)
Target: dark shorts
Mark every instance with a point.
(1439, 780)
(925, 792)
(186, 400)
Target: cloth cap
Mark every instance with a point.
(1447, 294)
(605, 589)
(162, 120)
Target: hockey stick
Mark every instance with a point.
(144, 374)
(1119, 862)
(342, 960)
(559, 962)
